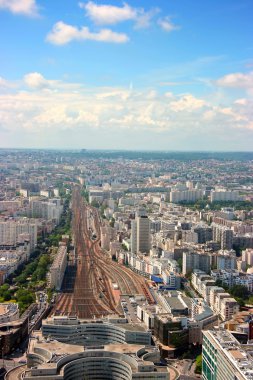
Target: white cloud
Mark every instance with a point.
(166, 24)
(104, 14)
(231, 113)
(242, 101)
(36, 81)
(4, 83)
(62, 34)
(108, 14)
(187, 103)
(237, 80)
(26, 7)
(55, 107)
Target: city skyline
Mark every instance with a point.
(125, 75)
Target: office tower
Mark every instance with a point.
(140, 234)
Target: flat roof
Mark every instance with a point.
(175, 303)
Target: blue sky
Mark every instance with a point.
(171, 74)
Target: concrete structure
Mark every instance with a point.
(247, 256)
(195, 260)
(219, 301)
(57, 269)
(223, 235)
(226, 262)
(172, 280)
(49, 210)
(224, 358)
(177, 196)
(8, 312)
(222, 195)
(95, 332)
(11, 229)
(231, 277)
(51, 360)
(140, 233)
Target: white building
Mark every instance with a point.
(219, 301)
(57, 269)
(224, 358)
(186, 195)
(224, 195)
(247, 256)
(10, 231)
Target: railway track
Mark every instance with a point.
(87, 286)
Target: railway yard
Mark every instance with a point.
(88, 283)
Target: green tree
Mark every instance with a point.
(198, 363)
(240, 291)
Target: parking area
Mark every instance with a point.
(129, 306)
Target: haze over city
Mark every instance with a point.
(154, 75)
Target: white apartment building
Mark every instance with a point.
(234, 277)
(12, 228)
(50, 210)
(185, 195)
(247, 256)
(171, 279)
(224, 195)
(219, 301)
(57, 269)
(228, 308)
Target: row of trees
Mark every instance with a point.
(201, 204)
(35, 271)
(239, 292)
(24, 297)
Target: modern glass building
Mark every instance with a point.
(224, 358)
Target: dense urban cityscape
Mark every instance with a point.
(126, 264)
(126, 190)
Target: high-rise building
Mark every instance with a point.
(223, 235)
(10, 231)
(133, 236)
(140, 234)
(194, 260)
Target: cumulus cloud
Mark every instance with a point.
(104, 14)
(36, 81)
(26, 7)
(236, 80)
(56, 107)
(62, 34)
(242, 101)
(4, 83)
(187, 103)
(108, 14)
(166, 24)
